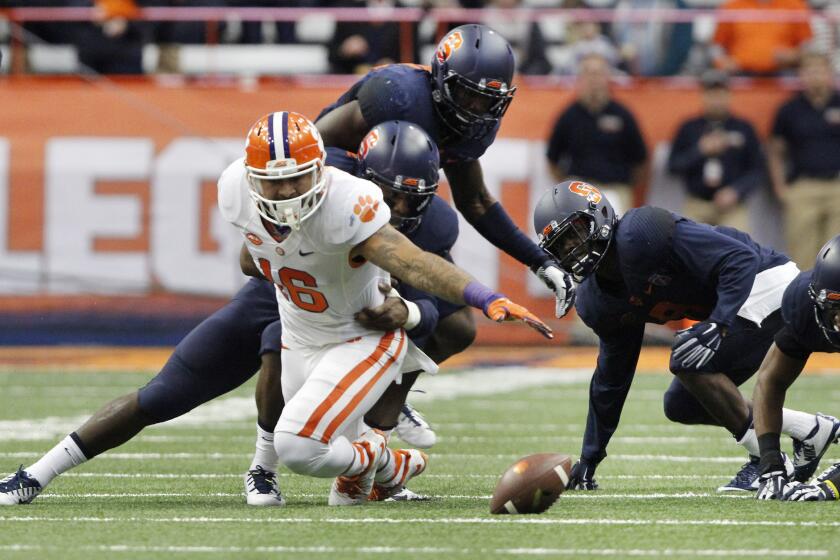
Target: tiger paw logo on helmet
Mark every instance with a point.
(366, 208)
(449, 45)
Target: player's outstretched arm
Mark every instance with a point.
(392, 251)
(343, 127)
(247, 264)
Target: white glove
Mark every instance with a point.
(771, 485)
(562, 285)
(798, 492)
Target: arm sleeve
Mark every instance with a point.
(617, 359)
(685, 153)
(755, 169)
(717, 260)
(496, 226)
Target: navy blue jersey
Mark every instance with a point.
(672, 268)
(801, 334)
(404, 92)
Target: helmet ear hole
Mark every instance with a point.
(604, 212)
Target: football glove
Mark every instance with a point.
(502, 309)
(582, 477)
(559, 282)
(821, 492)
(695, 346)
(771, 485)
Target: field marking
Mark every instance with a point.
(668, 552)
(229, 409)
(436, 456)
(425, 475)
(566, 496)
(429, 520)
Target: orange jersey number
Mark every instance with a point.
(303, 293)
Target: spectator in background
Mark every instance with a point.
(804, 158)
(597, 139)
(761, 48)
(586, 38)
(114, 43)
(516, 25)
(642, 44)
(359, 45)
(718, 157)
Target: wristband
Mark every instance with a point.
(414, 314)
(479, 296)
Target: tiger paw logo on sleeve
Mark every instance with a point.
(366, 208)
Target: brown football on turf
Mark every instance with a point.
(532, 484)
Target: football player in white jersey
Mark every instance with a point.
(323, 237)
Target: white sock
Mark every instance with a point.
(750, 442)
(797, 424)
(59, 459)
(265, 455)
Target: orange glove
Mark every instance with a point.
(502, 309)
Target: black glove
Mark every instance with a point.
(695, 346)
(583, 476)
(560, 282)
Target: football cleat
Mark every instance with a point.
(413, 429)
(354, 490)
(18, 488)
(261, 488)
(390, 480)
(746, 479)
(830, 472)
(808, 452)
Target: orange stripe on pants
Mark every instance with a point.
(344, 384)
(354, 402)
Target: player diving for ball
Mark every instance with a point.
(811, 315)
(653, 266)
(217, 356)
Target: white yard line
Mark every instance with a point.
(512, 520)
(566, 496)
(575, 552)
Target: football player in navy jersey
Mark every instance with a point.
(226, 349)
(811, 315)
(652, 266)
(459, 101)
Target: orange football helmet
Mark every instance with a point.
(281, 146)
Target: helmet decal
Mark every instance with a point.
(450, 44)
(368, 142)
(585, 190)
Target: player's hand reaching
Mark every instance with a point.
(389, 315)
(583, 476)
(695, 346)
(821, 492)
(561, 284)
(771, 485)
(502, 309)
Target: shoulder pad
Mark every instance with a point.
(645, 235)
(231, 198)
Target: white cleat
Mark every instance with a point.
(390, 480)
(261, 488)
(413, 429)
(18, 488)
(808, 452)
(354, 490)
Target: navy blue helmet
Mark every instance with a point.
(575, 224)
(825, 291)
(401, 158)
(472, 70)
